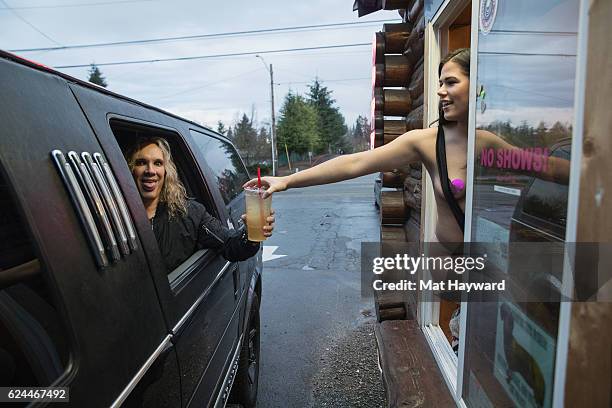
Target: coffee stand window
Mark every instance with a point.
(523, 77)
(525, 90)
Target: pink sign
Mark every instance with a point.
(522, 159)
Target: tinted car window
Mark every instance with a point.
(226, 164)
(547, 200)
(33, 346)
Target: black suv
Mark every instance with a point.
(85, 299)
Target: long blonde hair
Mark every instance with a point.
(173, 192)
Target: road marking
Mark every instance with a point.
(268, 253)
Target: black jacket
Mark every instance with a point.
(179, 237)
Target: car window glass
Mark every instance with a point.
(547, 200)
(225, 163)
(33, 342)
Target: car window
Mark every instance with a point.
(176, 236)
(225, 162)
(547, 200)
(34, 349)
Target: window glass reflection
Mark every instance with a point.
(226, 164)
(524, 115)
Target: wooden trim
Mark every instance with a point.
(589, 358)
(410, 373)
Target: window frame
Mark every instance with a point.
(192, 178)
(436, 42)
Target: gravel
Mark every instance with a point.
(348, 374)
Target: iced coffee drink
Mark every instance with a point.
(257, 210)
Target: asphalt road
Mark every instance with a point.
(317, 344)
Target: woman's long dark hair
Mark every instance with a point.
(462, 58)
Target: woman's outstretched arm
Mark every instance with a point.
(403, 150)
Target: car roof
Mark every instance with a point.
(40, 67)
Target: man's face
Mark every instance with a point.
(149, 172)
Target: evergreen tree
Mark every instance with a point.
(263, 146)
(331, 124)
(245, 139)
(297, 125)
(540, 134)
(360, 134)
(221, 128)
(96, 77)
(558, 131)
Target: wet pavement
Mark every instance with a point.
(317, 344)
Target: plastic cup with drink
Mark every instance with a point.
(257, 210)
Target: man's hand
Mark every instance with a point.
(267, 229)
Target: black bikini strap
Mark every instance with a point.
(443, 172)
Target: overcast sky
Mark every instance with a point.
(204, 90)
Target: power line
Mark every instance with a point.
(6, 7)
(206, 84)
(214, 55)
(101, 3)
(202, 36)
(322, 81)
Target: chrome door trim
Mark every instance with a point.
(165, 344)
(80, 203)
(123, 209)
(107, 198)
(97, 206)
(195, 305)
(230, 376)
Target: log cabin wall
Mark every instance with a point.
(397, 107)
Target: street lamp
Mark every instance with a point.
(273, 133)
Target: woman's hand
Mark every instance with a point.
(267, 229)
(272, 184)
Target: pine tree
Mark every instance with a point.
(221, 128)
(331, 123)
(360, 134)
(96, 77)
(263, 146)
(245, 139)
(297, 125)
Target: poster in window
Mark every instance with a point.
(524, 358)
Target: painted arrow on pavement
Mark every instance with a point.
(268, 253)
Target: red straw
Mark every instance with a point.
(258, 177)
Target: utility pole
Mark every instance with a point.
(273, 122)
(273, 132)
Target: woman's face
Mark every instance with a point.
(149, 172)
(454, 92)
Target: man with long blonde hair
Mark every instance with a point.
(181, 225)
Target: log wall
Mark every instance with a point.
(397, 108)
